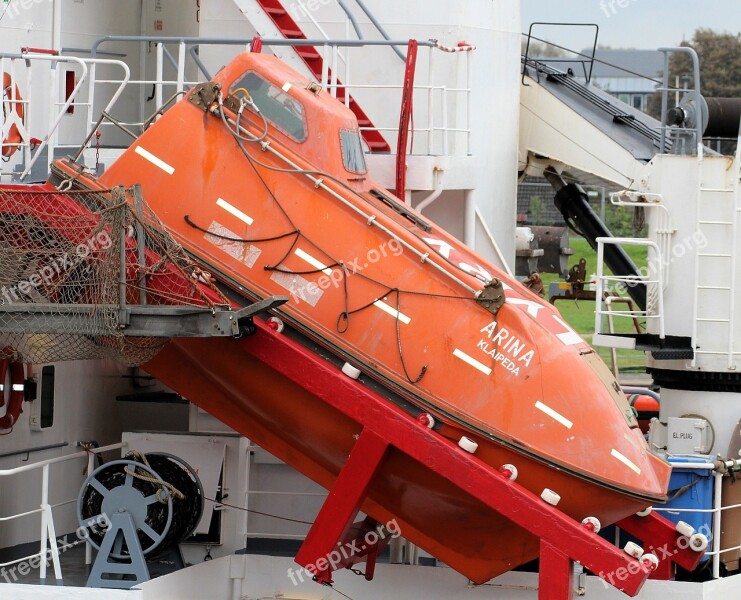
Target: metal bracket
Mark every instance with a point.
(136, 320)
(492, 297)
(205, 94)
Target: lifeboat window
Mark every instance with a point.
(281, 110)
(352, 151)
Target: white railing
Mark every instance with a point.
(727, 318)
(654, 287)
(716, 511)
(247, 506)
(662, 226)
(46, 101)
(48, 530)
(55, 101)
(434, 100)
(437, 129)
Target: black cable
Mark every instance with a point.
(7, 6)
(322, 174)
(190, 222)
(257, 512)
(334, 589)
(401, 350)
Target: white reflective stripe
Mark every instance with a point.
(158, 162)
(472, 361)
(2, 387)
(18, 387)
(569, 337)
(313, 261)
(625, 460)
(393, 312)
(234, 211)
(287, 86)
(554, 415)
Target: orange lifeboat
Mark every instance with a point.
(261, 177)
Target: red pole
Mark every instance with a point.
(405, 117)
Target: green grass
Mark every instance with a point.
(580, 313)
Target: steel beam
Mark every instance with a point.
(136, 320)
(341, 506)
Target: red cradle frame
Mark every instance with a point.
(562, 539)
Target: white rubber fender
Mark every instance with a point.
(550, 497)
(509, 471)
(684, 529)
(468, 444)
(698, 542)
(645, 512)
(592, 523)
(634, 550)
(276, 324)
(650, 561)
(350, 371)
(427, 420)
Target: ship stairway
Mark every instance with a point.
(271, 19)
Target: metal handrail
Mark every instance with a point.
(602, 278)
(330, 83)
(665, 89)
(48, 531)
(87, 66)
(380, 28)
(587, 76)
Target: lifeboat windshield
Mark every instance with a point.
(352, 151)
(280, 109)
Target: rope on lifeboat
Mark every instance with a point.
(343, 319)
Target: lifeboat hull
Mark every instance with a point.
(228, 379)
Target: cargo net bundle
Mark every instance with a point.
(65, 252)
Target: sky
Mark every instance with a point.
(645, 24)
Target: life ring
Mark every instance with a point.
(12, 142)
(14, 405)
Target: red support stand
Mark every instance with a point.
(556, 579)
(660, 537)
(407, 103)
(319, 553)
